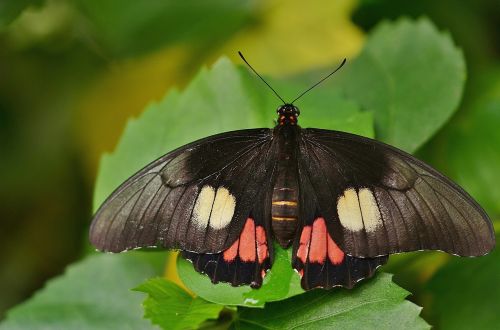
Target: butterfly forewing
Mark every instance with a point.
(379, 200)
(195, 198)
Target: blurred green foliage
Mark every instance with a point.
(72, 301)
(73, 71)
(9, 10)
(465, 293)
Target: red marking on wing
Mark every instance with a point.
(251, 246)
(319, 245)
(262, 251)
(317, 251)
(247, 242)
(305, 239)
(230, 254)
(335, 254)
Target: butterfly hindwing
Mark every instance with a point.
(317, 258)
(379, 200)
(195, 198)
(248, 259)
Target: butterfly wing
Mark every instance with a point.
(379, 200)
(248, 259)
(195, 198)
(316, 256)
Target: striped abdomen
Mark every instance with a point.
(285, 206)
(284, 214)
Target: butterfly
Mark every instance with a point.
(342, 202)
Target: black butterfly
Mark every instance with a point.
(344, 203)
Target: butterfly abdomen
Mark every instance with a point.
(285, 205)
(284, 212)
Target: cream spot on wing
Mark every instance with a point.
(369, 210)
(203, 206)
(349, 211)
(223, 209)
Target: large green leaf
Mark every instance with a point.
(411, 76)
(375, 304)
(92, 294)
(206, 108)
(172, 308)
(326, 110)
(222, 99)
(466, 293)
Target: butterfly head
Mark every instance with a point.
(287, 114)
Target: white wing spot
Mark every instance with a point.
(349, 211)
(369, 209)
(203, 206)
(223, 209)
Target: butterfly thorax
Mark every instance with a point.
(287, 114)
(285, 196)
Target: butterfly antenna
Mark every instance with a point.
(319, 82)
(258, 75)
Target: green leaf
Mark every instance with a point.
(326, 110)
(411, 76)
(170, 307)
(92, 294)
(375, 304)
(465, 292)
(222, 99)
(205, 108)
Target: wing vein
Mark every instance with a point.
(140, 191)
(452, 223)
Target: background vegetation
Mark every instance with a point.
(73, 72)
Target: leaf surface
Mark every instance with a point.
(223, 98)
(170, 307)
(375, 304)
(411, 76)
